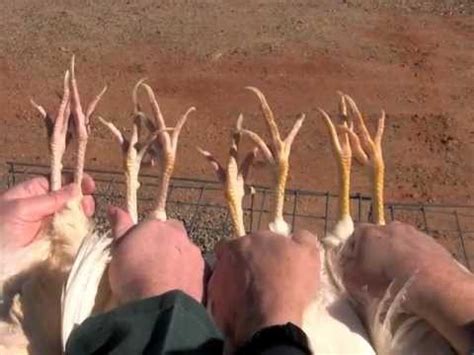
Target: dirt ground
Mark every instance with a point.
(415, 59)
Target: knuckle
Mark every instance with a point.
(362, 229)
(222, 249)
(396, 228)
(305, 236)
(243, 243)
(363, 236)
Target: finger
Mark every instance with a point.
(214, 299)
(30, 188)
(352, 247)
(87, 185)
(119, 220)
(348, 251)
(221, 248)
(38, 207)
(67, 178)
(214, 286)
(88, 205)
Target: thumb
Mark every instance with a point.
(120, 221)
(220, 249)
(41, 206)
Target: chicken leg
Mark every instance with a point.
(233, 178)
(39, 288)
(277, 153)
(133, 153)
(57, 133)
(343, 153)
(59, 127)
(368, 152)
(81, 123)
(165, 147)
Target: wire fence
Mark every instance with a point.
(200, 205)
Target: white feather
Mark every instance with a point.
(32, 279)
(396, 332)
(331, 321)
(279, 226)
(341, 232)
(79, 294)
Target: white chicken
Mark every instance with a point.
(34, 278)
(82, 295)
(330, 317)
(393, 330)
(35, 317)
(335, 322)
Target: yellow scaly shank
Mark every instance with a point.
(343, 153)
(277, 153)
(57, 135)
(70, 107)
(165, 146)
(233, 178)
(368, 152)
(132, 154)
(61, 238)
(81, 121)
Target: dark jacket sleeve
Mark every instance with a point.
(285, 339)
(172, 323)
(282, 350)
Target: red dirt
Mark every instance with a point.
(415, 61)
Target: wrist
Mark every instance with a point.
(435, 288)
(260, 320)
(286, 335)
(447, 304)
(278, 318)
(136, 290)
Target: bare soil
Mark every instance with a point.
(415, 59)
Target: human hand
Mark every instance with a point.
(261, 280)
(375, 256)
(24, 207)
(151, 258)
(441, 291)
